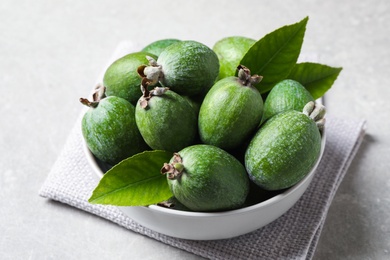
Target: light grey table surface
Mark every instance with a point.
(51, 53)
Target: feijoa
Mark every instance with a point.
(158, 46)
(286, 95)
(186, 67)
(121, 78)
(109, 129)
(285, 148)
(231, 111)
(166, 120)
(230, 51)
(206, 178)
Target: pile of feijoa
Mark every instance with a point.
(225, 138)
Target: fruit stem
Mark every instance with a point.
(244, 74)
(179, 167)
(88, 103)
(166, 204)
(98, 95)
(147, 95)
(316, 112)
(174, 169)
(158, 91)
(151, 74)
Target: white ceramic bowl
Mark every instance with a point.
(216, 225)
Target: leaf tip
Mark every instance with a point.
(304, 21)
(92, 200)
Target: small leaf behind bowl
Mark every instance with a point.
(316, 78)
(135, 181)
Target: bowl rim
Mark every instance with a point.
(268, 202)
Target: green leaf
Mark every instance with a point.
(274, 55)
(316, 78)
(135, 181)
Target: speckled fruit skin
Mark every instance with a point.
(159, 46)
(212, 180)
(286, 95)
(168, 123)
(283, 151)
(110, 131)
(230, 51)
(189, 67)
(121, 78)
(230, 113)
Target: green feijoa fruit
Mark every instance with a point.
(231, 111)
(166, 120)
(286, 95)
(121, 78)
(206, 178)
(157, 47)
(230, 51)
(285, 148)
(186, 67)
(110, 131)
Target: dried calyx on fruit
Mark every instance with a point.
(99, 94)
(147, 95)
(174, 169)
(316, 112)
(151, 74)
(244, 75)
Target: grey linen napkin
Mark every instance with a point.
(292, 236)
